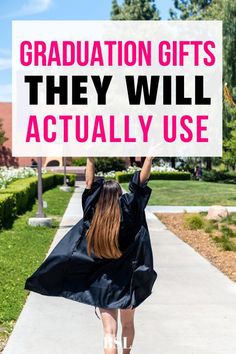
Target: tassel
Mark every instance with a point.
(96, 313)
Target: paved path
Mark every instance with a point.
(182, 208)
(192, 309)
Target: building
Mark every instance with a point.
(6, 158)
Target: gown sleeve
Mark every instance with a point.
(91, 195)
(139, 194)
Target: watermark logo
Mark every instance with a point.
(117, 88)
(112, 342)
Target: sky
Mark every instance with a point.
(49, 10)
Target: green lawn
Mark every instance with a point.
(190, 193)
(22, 249)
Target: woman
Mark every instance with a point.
(105, 260)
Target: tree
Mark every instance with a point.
(224, 10)
(229, 154)
(229, 37)
(135, 10)
(229, 112)
(189, 9)
(115, 9)
(3, 138)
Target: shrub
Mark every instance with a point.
(48, 182)
(106, 164)
(79, 162)
(170, 175)
(227, 231)
(20, 195)
(193, 222)
(24, 192)
(229, 219)
(210, 225)
(7, 209)
(70, 179)
(155, 175)
(225, 242)
(10, 174)
(219, 176)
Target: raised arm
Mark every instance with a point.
(89, 172)
(146, 169)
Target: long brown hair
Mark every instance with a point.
(102, 235)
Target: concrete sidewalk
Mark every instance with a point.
(182, 208)
(192, 309)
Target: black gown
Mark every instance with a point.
(122, 283)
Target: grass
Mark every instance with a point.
(225, 228)
(210, 226)
(225, 243)
(227, 233)
(193, 222)
(22, 249)
(190, 193)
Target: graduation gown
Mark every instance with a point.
(69, 272)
